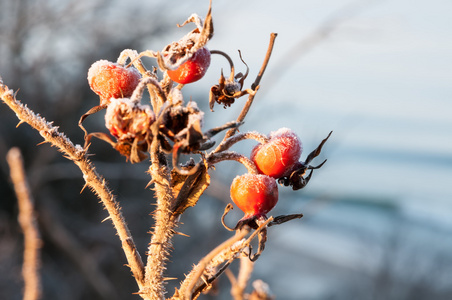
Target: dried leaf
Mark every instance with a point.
(188, 189)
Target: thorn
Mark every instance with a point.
(149, 183)
(20, 122)
(138, 293)
(181, 233)
(84, 187)
(205, 281)
(169, 278)
(42, 143)
(107, 218)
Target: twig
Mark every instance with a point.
(245, 270)
(93, 180)
(254, 87)
(231, 155)
(27, 220)
(190, 281)
(225, 252)
(228, 143)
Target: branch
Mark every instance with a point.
(93, 180)
(165, 223)
(254, 87)
(228, 143)
(27, 220)
(225, 253)
(231, 155)
(189, 284)
(245, 270)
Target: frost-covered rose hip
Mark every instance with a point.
(277, 157)
(111, 80)
(193, 69)
(254, 194)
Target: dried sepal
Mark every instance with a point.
(227, 90)
(91, 111)
(295, 178)
(177, 53)
(130, 124)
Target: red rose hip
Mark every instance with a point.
(111, 80)
(193, 69)
(254, 194)
(277, 157)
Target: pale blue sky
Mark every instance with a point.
(382, 81)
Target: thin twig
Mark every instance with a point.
(254, 87)
(245, 270)
(225, 252)
(93, 180)
(228, 143)
(231, 155)
(27, 220)
(191, 280)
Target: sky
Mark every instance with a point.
(381, 80)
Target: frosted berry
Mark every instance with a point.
(111, 80)
(193, 69)
(278, 156)
(254, 194)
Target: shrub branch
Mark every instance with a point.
(92, 179)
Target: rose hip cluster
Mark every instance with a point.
(134, 126)
(276, 159)
(174, 127)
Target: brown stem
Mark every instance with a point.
(254, 87)
(245, 270)
(160, 244)
(27, 220)
(187, 287)
(93, 180)
(228, 143)
(230, 155)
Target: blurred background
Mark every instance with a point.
(378, 214)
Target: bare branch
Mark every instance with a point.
(27, 220)
(254, 87)
(231, 155)
(93, 180)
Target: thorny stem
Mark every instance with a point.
(160, 244)
(27, 220)
(92, 178)
(231, 155)
(254, 87)
(187, 287)
(225, 252)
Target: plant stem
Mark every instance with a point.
(160, 244)
(27, 220)
(93, 180)
(254, 87)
